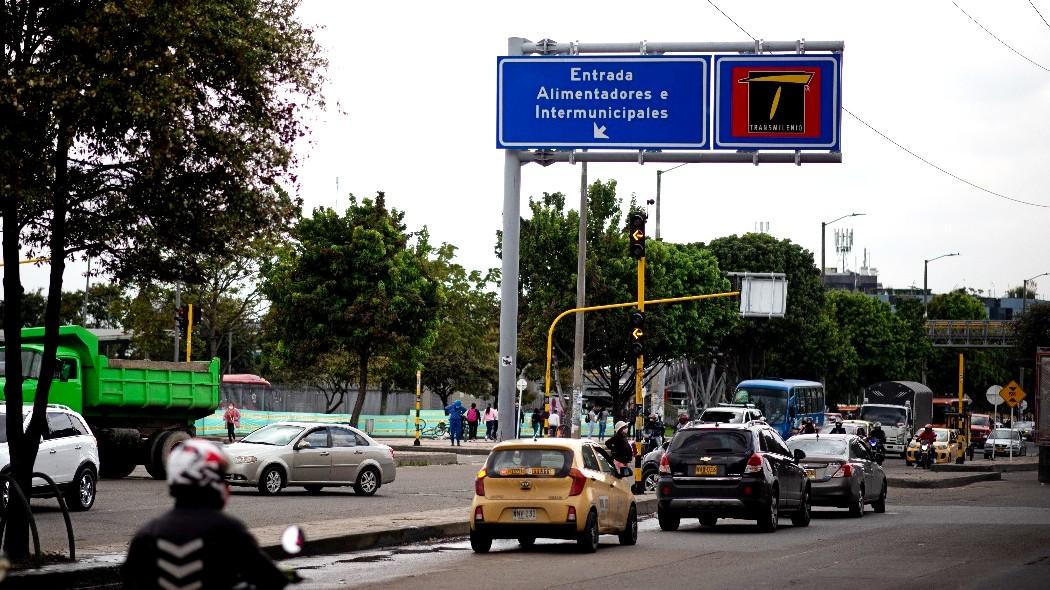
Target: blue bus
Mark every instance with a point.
(783, 402)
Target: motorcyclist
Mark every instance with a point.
(927, 435)
(878, 434)
(195, 544)
(807, 427)
(838, 429)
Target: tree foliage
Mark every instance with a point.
(347, 290)
(548, 277)
(148, 136)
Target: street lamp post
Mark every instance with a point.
(925, 275)
(1024, 290)
(823, 227)
(659, 176)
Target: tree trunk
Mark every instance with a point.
(383, 396)
(362, 388)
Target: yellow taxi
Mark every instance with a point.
(946, 449)
(552, 488)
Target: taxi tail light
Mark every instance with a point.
(571, 516)
(479, 514)
(479, 483)
(754, 463)
(578, 479)
(845, 471)
(665, 464)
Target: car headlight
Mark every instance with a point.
(245, 459)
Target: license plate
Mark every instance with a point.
(707, 469)
(526, 471)
(524, 514)
(811, 473)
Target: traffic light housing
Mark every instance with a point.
(182, 315)
(636, 336)
(636, 234)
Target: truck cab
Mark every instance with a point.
(897, 423)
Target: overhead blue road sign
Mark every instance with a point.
(778, 102)
(603, 102)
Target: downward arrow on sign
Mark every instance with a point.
(599, 132)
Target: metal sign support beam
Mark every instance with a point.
(513, 159)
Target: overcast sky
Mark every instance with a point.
(416, 83)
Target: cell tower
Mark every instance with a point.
(844, 244)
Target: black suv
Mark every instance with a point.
(713, 471)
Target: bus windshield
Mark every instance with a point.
(30, 364)
(771, 402)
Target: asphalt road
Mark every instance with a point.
(123, 505)
(987, 535)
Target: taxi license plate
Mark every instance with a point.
(707, 469)
(811, 473)
(524, 514)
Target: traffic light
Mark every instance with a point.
(636, 232)
(181, 318)
(637, 334)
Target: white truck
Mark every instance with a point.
(901, 407)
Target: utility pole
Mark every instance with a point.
(581, 301)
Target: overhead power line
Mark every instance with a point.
(908, 151)
(1005, 44)
(1039, 13)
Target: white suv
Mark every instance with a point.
(68, 454)
(730, 414)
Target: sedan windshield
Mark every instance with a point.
(1004, 433)
(823, 447)
(274, 434)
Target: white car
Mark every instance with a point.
(729, 414)
(1004, 441)
(312, 455)
(68, 454)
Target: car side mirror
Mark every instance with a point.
(799, 454)
(303, 444)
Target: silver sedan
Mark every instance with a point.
(842, 471)
(311, 455)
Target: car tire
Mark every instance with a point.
(80, 495)
(479, 542)
(770, 516)
(367, 482)
(708, 521)
(526, 542)
(856, 508)
(629, 536)
(587, 540)
(271, 481)
(314, 489)
(802, 516)
(668, 522)
(651, 479)
(879, 506)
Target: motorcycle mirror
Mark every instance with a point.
(292, 540)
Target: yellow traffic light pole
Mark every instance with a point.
(639, 364)
(639, 368)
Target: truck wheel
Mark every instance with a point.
(161, 448)
(114, 466)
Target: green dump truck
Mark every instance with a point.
(138, 410)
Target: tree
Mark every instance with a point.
(463, 357)
(348, 290)
(871, 329)
(146, 136)
(784, 347)
(547, 280)
(982, 367)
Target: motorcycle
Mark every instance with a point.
(877, 450)
(926, 457)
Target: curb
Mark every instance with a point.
(946, 482)
(413, 459)
(986, 468)
(449, 448)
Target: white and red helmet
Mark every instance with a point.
(198, 464)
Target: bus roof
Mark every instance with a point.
(784, 384)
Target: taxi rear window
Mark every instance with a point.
(529, 463)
